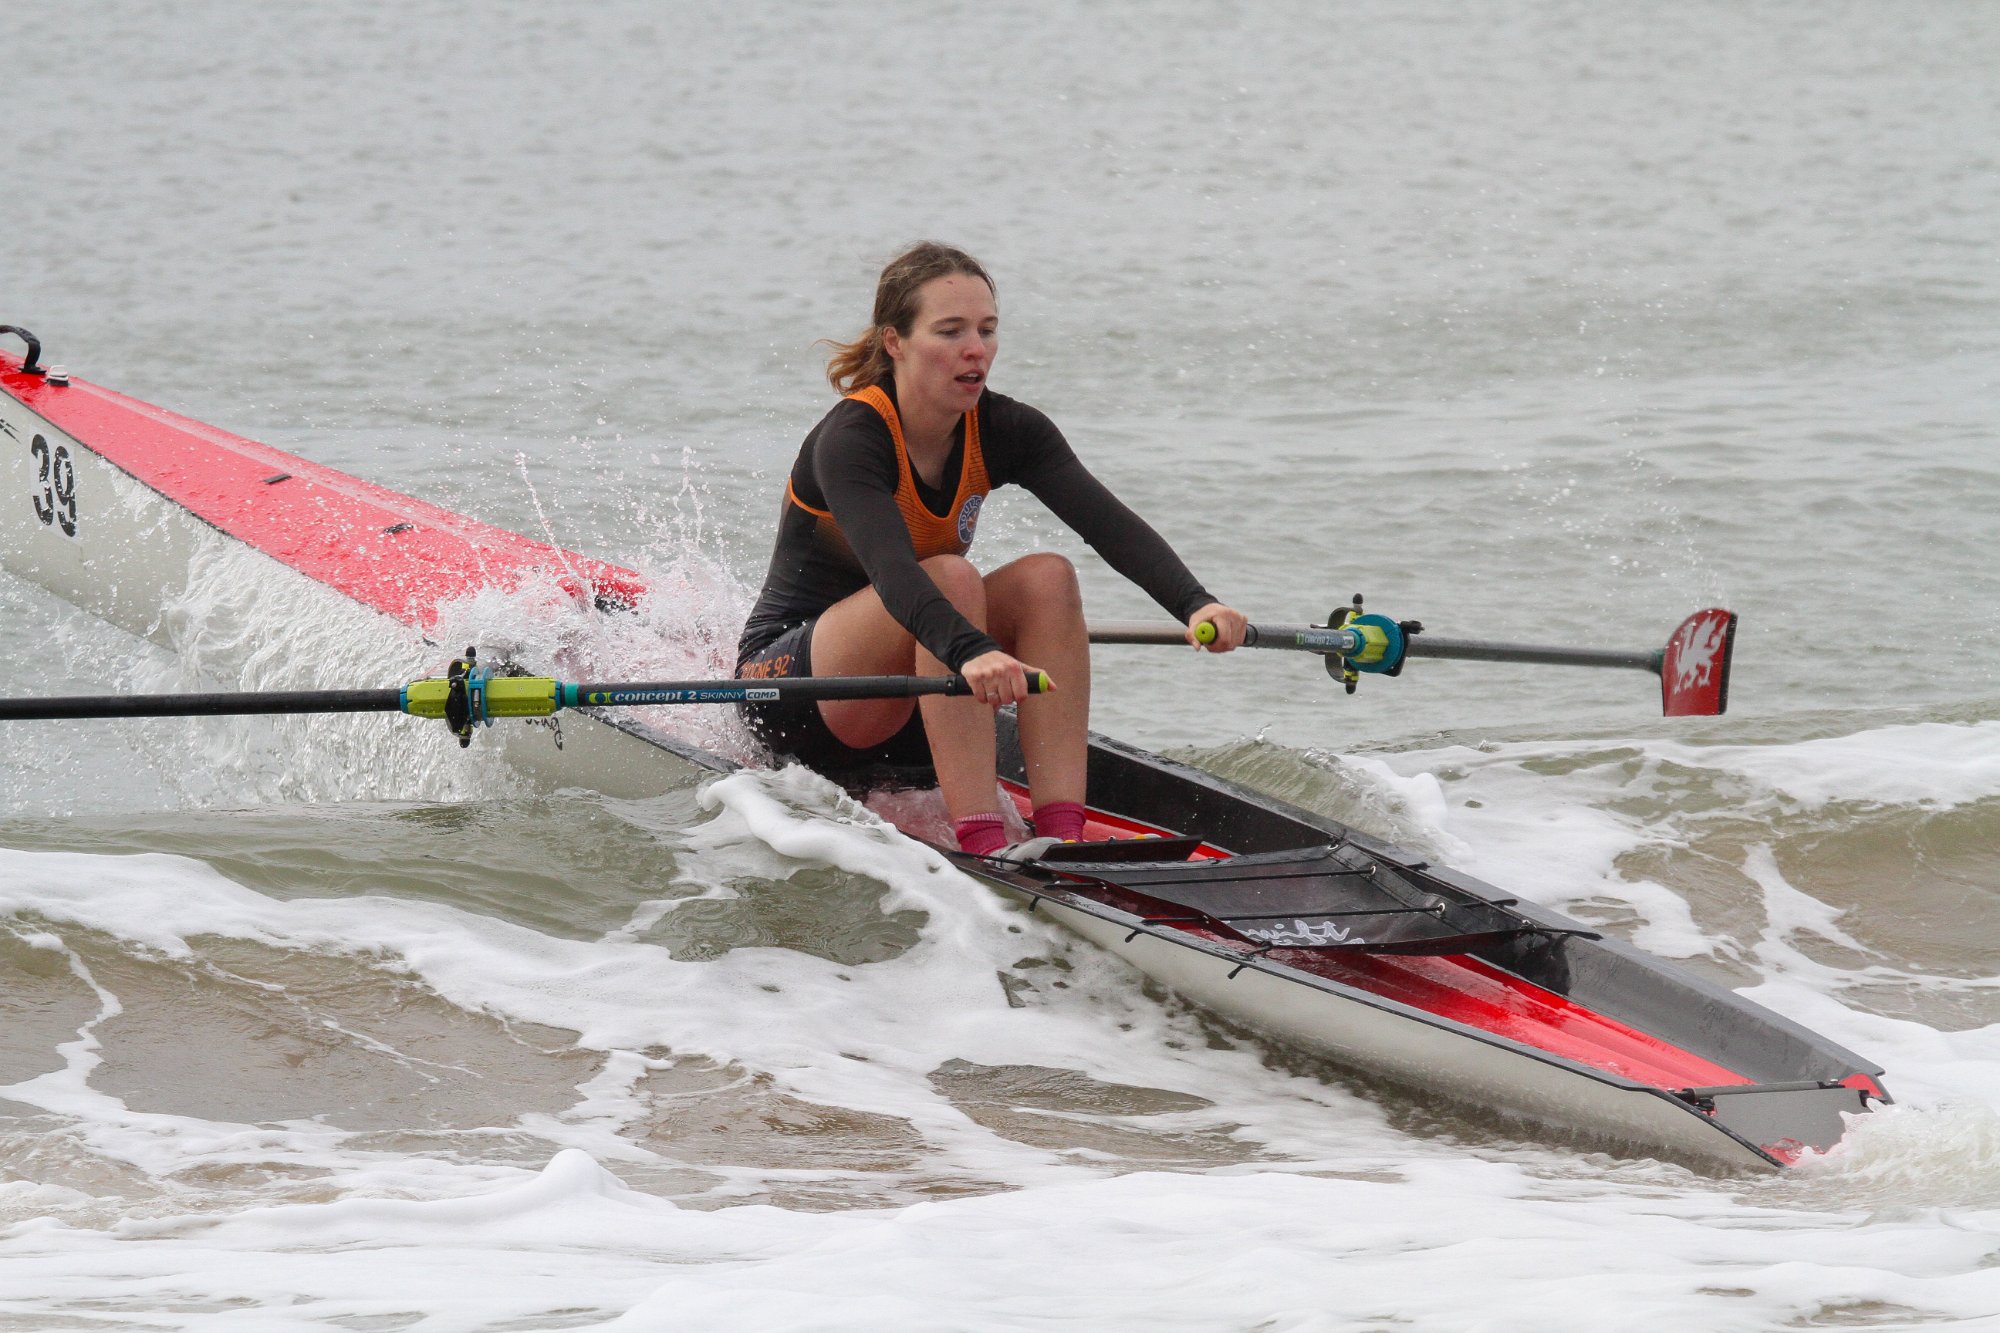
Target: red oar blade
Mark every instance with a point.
(1694, 674)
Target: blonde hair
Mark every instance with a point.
(865, 362)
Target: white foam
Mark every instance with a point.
(234, 626)
(67, 1090)
(797, 1019)
(1338, 1221)
(1936, 765)
(1549, 820)
(1548, 840)
(1453, 1244)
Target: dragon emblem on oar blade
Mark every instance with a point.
(1694, 675)
(1697, 646)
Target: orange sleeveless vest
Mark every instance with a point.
(930, 534)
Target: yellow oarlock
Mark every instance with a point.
(506, 696)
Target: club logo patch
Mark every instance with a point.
(968, 519)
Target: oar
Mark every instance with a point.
(1693, 667)
(471, 695)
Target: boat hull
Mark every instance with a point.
(1364, 1033)
(1590, 1005)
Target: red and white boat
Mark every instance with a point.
(1272, 916)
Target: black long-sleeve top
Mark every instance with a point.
(841, 528)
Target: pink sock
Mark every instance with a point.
(1059, 819)
(980, 835)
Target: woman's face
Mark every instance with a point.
(944, 359)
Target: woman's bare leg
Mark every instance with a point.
(858, 637)
(1035, 610)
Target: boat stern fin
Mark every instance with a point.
(1786, 1119)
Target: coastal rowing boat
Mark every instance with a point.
(1271, 916)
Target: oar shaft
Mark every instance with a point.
(204, 705)
(1474, 650)
(1693, 667)
(1136, 631)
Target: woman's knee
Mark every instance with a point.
(1048, 577)
(960, 581)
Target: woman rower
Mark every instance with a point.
(869, 576)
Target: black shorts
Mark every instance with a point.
(794, 729)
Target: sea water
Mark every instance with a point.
(1545, 322)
